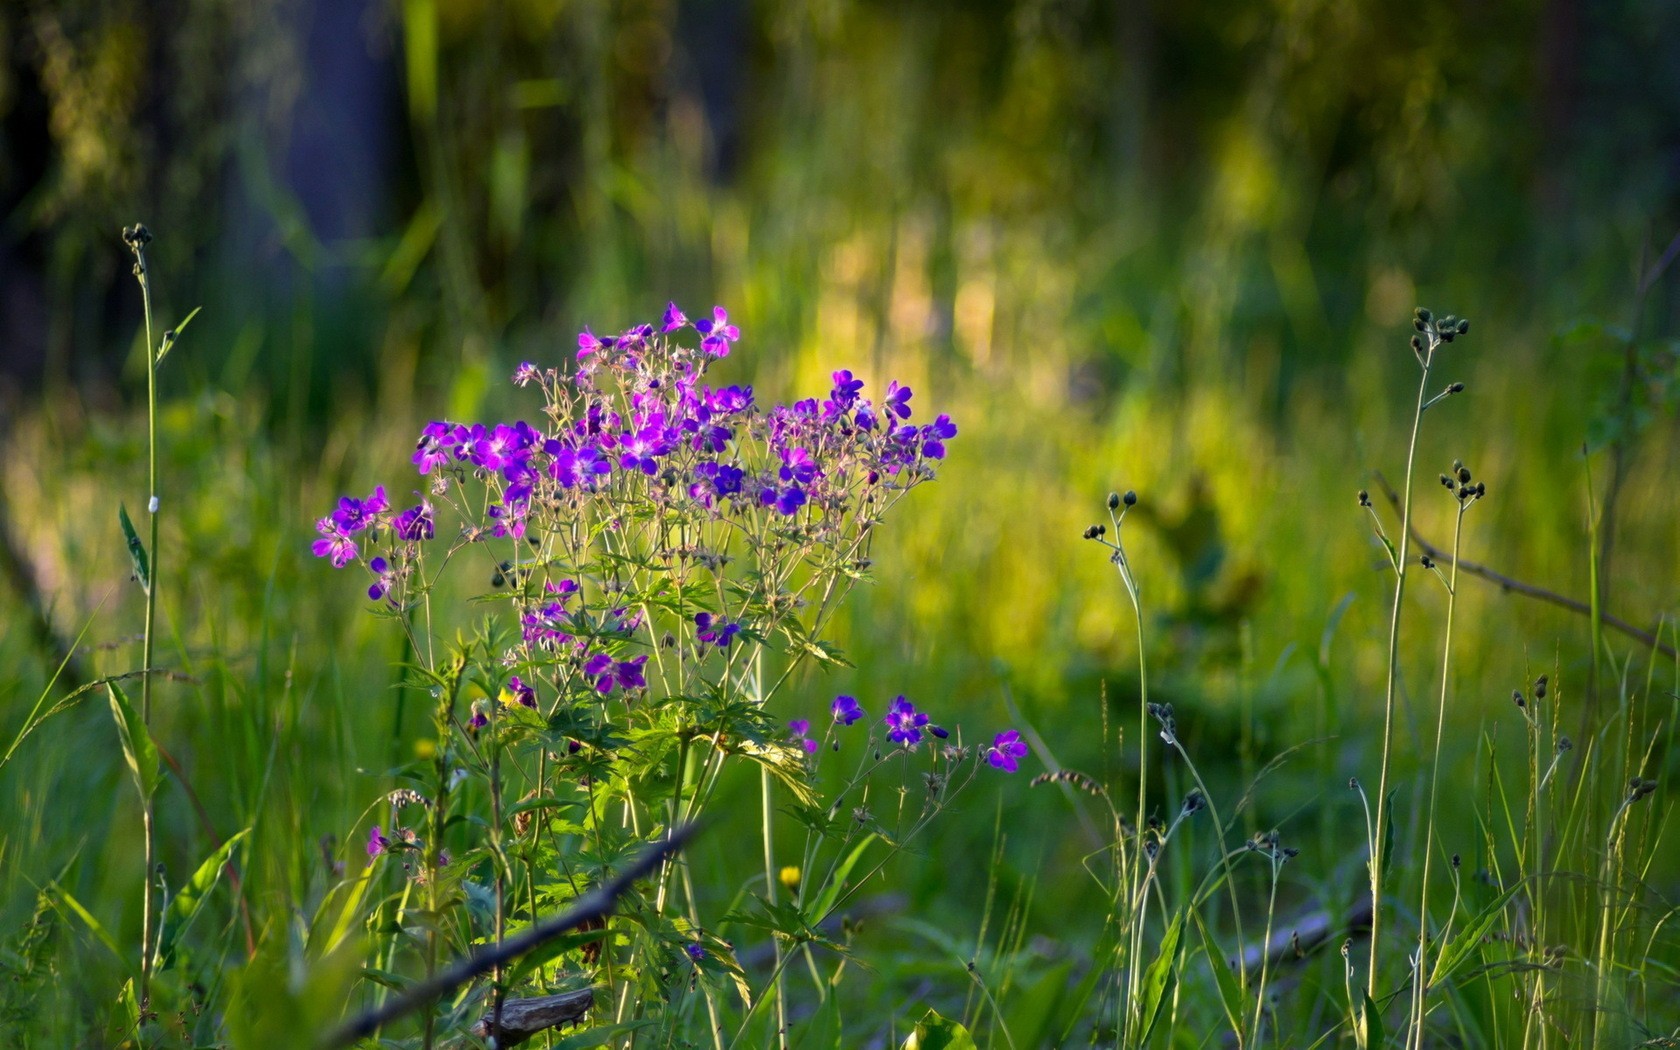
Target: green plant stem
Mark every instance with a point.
(770, 895)
(1421, 990)
(149, 645)
(1139, 877)
(1377, 859)
(1265, 958)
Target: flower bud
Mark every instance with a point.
(1114, 501)
(1130, 498)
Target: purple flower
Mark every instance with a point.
(897, 402)
(1006, 751)
(730, 399)
(714, 481)
(846, 710)
(509, 519)
(846, 390)
(696, 951)
(334, 544)
(714, 630)
(629, 673)
(381, 586)
(904, 723)
(432, 450)
(377, 843)
(934, 436)
(800, 729)
(797, 466)
(718, 333)
(626, 674)
(525, 374)
(354, 515)
(574, 467)
(415, 523)
(643, 447)
(787, 500)
(519, 692)
(588, 343)
(673, 319)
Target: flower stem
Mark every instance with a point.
(1377, 829)
(149, 645)
(1420, 986)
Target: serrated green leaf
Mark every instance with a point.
(189, 899)
(1160, 976)
(1464, 943)
(137, 744)
(786, 763)
(136, 550)
(934, 1032)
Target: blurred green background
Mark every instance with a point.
(1163, 246)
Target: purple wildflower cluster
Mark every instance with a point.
(905, 727)
(633, 425)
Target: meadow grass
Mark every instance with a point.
(291, 714)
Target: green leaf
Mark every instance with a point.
(136, 743)
(1035, 1007)
(1369, 1035)
(1160, 976)
(1465, 942)
(934, 1032)
(821, 1031)
(786, 762)
(1230, 988)
(831, 893)
(136, 550)
(190, 898)
(174, 334)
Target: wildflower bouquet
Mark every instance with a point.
(664, 557)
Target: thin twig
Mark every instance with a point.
(1507, 583)
(596, 904)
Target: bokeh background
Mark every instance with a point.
(1172, 247)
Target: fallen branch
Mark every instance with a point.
(523, 1018)
(1507, 583)
(596, 904)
